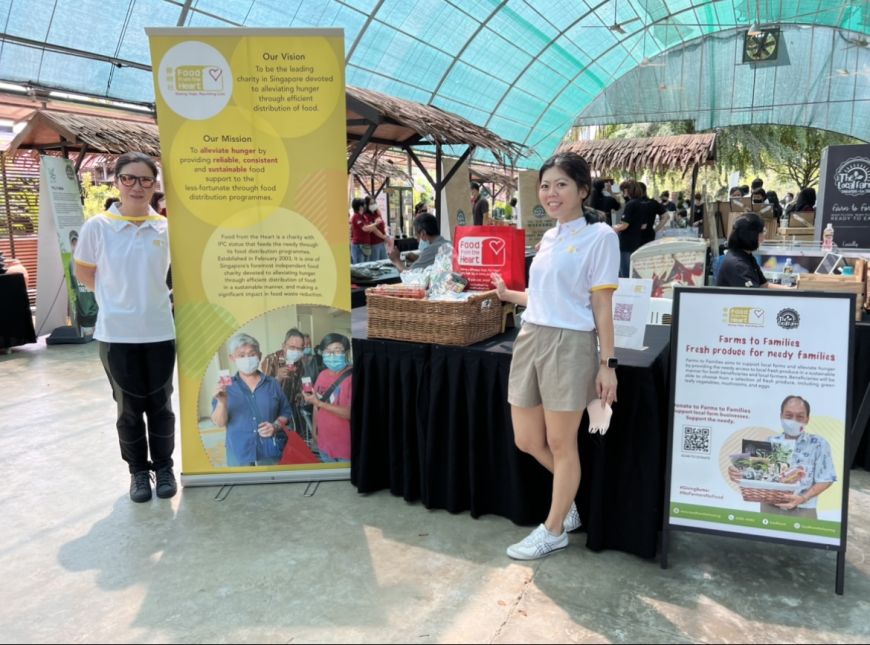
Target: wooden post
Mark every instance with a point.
(438, 183)
(6, 201)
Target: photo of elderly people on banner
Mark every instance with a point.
(287, 407)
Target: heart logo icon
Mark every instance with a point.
(496, 246)
(758, 313)
(215, 73)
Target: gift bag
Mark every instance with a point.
(479, 251)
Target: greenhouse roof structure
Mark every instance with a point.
(524, 69)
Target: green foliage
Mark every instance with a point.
(96, 195)
(423, 191)
(640, 130)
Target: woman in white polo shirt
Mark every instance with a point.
(556, 371)
(123, 256)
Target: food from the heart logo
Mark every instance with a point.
(482, 251)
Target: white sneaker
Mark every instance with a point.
(538, 544)
(572, 519)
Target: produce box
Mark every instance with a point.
(458, 323)
(839, 283)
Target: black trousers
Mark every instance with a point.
(141, 380)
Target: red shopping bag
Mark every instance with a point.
(296, 451)
(479, 251)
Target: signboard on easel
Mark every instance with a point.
(63, 306)
(844, 195)
(761, 391)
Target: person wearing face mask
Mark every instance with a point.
(253, 409)
(429, 241)
(331, 399)
(360, 238)
(810, 460)
(376, 228)
(287, 366)
(311, 366)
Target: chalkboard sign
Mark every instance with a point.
(844, 195)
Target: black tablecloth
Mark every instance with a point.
(16, 322)
(358, 289)
(860, 381)
(432, 423)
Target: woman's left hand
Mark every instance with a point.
(605, 385)
(310, 399)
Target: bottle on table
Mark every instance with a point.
(828, 238)
(788, 273)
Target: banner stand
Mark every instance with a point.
(254, 169)
(853, 433)
(67, 335)
(860, 426)
(268, 477)
(61, 218)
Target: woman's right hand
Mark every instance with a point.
(500, 287)
(282, 373)
(220, 394)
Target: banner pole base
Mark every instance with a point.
(67, 335)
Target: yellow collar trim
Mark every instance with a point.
(122, 218)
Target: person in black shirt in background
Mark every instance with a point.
(632, 227)
(602, 201)
(480, 207)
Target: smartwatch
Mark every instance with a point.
(609, 362)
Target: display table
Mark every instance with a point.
(432, 423)
(16, 322)
(860, 380)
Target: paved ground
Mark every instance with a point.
(81, 563)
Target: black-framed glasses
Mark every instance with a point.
(130, 180)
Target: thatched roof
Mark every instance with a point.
(380, 167)
(492, 175)
(407, 122)
(109, 135)
(679, 152)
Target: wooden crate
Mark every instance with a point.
(796, 233)
(839, 283)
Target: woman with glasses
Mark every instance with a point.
(331, 399)
(123, 256)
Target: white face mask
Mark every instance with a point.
(293, 355)
(247, 364)
(791, 428)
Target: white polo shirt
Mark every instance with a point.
(131, 263)
(574, 260)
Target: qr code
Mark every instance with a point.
(696, 440)
(622, 311)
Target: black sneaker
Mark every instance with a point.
(166, 486)
(140, 486)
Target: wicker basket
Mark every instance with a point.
(765, 496)
(425, 321)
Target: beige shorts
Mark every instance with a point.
(554, 367)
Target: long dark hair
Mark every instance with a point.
(773, 200)
(744, 233)
(805, 199)
(577, 169)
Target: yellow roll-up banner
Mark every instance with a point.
(253, 135)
